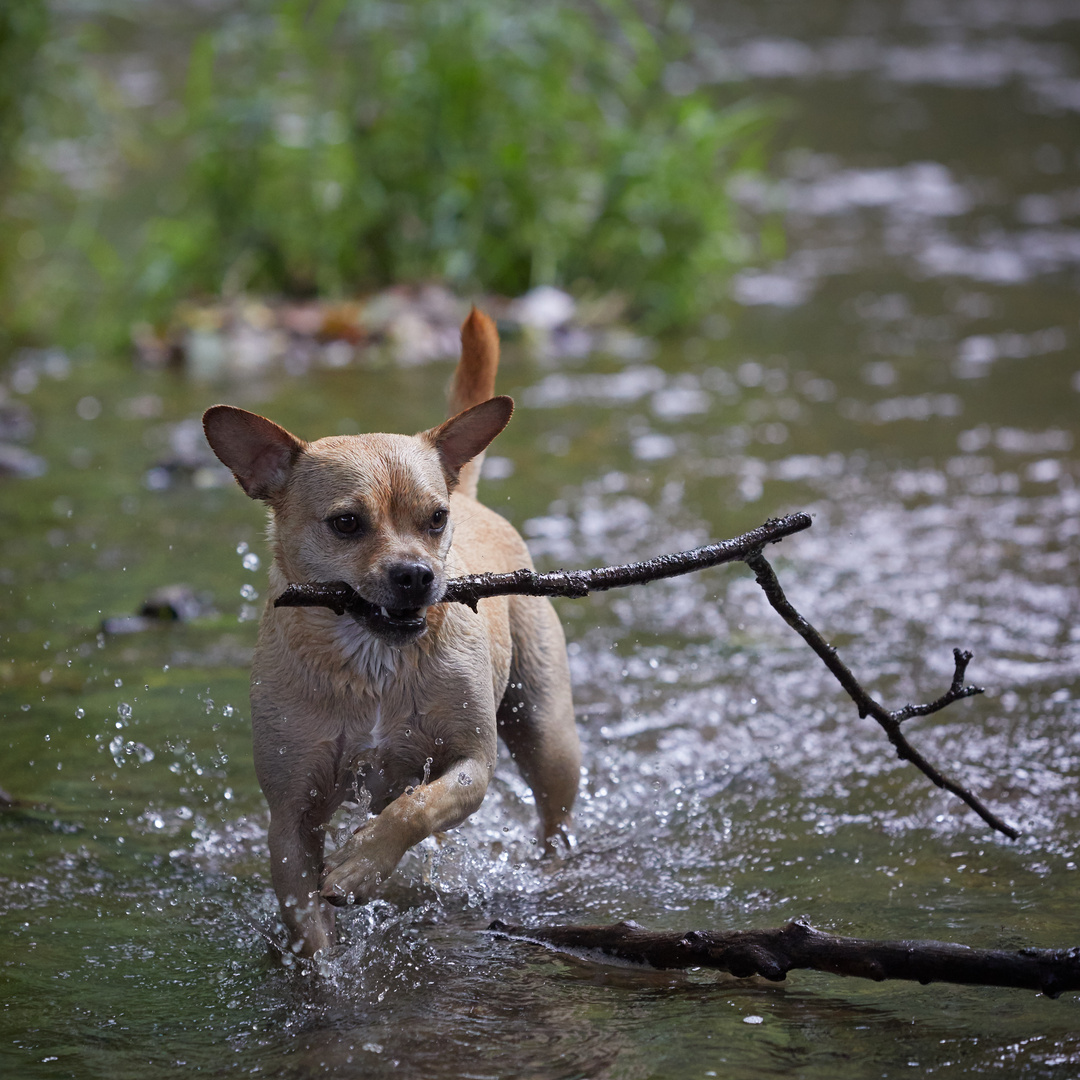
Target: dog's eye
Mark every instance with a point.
(438, 520)
(345, 524)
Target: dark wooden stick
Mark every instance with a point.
(867, 706)
(473, 588)
(772, 953)
(576, 583)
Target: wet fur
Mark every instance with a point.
(340, 705)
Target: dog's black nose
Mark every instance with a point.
(411, 581)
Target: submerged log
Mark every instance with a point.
(772, 953)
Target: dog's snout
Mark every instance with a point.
(412, 581)
(411, 575)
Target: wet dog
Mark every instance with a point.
(402, 705)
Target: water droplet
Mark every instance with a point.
(753, 1019)
(241, 548)
(249, 592)
(438, 742)
(80, 713)
(251, 561)
(123, 710)
(464, 779)
(118, 683)
(228, 711)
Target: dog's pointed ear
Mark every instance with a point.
(258, 451)
(459, 439)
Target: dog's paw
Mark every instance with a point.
(353, 872)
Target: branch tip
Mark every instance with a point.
(890, 721)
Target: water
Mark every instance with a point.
(906, 370)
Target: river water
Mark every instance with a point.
(906, 369)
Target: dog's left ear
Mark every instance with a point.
(459, 439)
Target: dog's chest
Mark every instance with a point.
(386, 697)
(366, 657)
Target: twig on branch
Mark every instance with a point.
(867, 706)
(473, 588)
(772, 953)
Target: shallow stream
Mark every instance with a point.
(908, 372)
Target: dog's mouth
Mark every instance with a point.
(411, 618)
(397, 625)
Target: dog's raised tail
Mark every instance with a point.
(474, 381)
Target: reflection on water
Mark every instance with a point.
(907, 371)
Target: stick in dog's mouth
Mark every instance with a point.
(400, 625)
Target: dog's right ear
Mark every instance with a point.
(258, 451)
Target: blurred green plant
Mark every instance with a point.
(22, 30)
(333, 146)
(23, 27)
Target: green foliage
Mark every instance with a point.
(22, 30)
(344, 144)
(333, 146)
(23, 27)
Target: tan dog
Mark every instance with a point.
(405, 703)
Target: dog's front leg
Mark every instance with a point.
(370, 855)
(296, 848)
